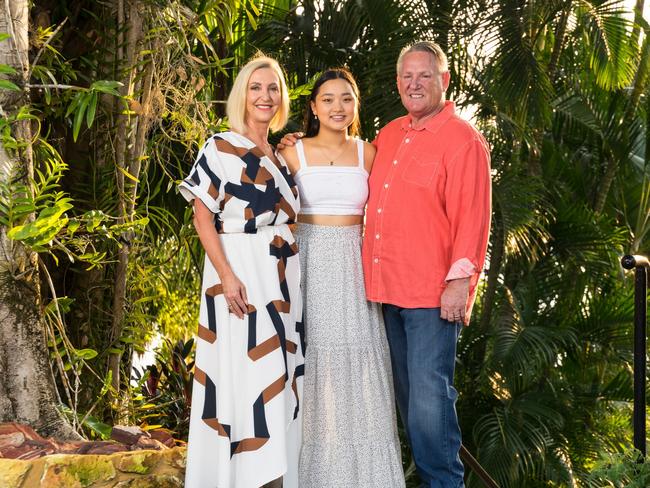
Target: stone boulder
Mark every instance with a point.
(133, 459)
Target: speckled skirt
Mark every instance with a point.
(349, 430)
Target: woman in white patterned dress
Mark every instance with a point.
(349, 427)
(249, 358)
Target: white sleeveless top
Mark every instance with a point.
(332, 190)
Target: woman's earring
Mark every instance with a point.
(316, 116)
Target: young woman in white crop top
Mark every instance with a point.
(349, 431)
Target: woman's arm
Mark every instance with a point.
(234, 290)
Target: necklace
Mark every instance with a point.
(328, 156)
(266, 148)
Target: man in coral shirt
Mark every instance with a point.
(427, 226)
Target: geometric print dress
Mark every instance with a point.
(244, 422)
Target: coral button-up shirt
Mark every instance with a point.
(429, 209)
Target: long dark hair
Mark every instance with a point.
(312, 124)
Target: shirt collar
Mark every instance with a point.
(435, 122)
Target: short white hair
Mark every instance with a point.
(425, 47)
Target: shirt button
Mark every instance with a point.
(376, 260)
(407, 140)
(385, 185)
(377, 236)
(378, 210)
(395, 162)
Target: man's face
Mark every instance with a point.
(421, 85)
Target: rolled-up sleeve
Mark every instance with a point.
(468, 207)
(205, 179)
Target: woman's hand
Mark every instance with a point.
(234, 292)
(289, 140)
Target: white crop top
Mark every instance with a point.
(332, 190)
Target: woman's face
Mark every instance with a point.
(335, 105)
(263, 96)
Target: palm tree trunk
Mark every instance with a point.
(496, 259)
(27, 390)
(126, 62)
(560, 33)
(638, 16)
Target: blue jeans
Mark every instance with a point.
(423, 353)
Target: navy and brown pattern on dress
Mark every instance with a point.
(248, 374)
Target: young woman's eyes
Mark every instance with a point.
(274, 89)
(326, 100)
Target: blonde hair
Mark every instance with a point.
(236, 104)
(425, 47)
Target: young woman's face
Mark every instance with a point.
(335, 105)
(262, 96)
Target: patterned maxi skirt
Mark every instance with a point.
(349, 429)
(244, 423)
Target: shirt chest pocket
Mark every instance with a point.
(421, 168)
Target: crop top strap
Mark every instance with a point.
(300, 149)
(362, 163)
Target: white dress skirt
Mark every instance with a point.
(349, 423)
(244, 423)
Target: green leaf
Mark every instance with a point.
(64, 304)
(79, 116)
(92, 107)
(6, 69)
(106, 86)
(85, 353)
(128, 175)
(73, 226)
(45, 227)
(251, 19)
(104, 430)
(8, 85)
(4, 36)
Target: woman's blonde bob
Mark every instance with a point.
(236, 105)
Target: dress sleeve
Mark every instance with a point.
(206, 178)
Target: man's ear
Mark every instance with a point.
(446, 78)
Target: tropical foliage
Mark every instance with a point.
(121, 93)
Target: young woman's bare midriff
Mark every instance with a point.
(331, 219)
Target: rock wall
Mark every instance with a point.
(136, 469)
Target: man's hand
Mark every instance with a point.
(289, 140)
(453, 302)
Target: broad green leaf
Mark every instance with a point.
(79, 115)
(251, 19)
(106, 86)
(73, 226)
(92, 107)
(85, 353)
(73, 104)
(104, 430)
